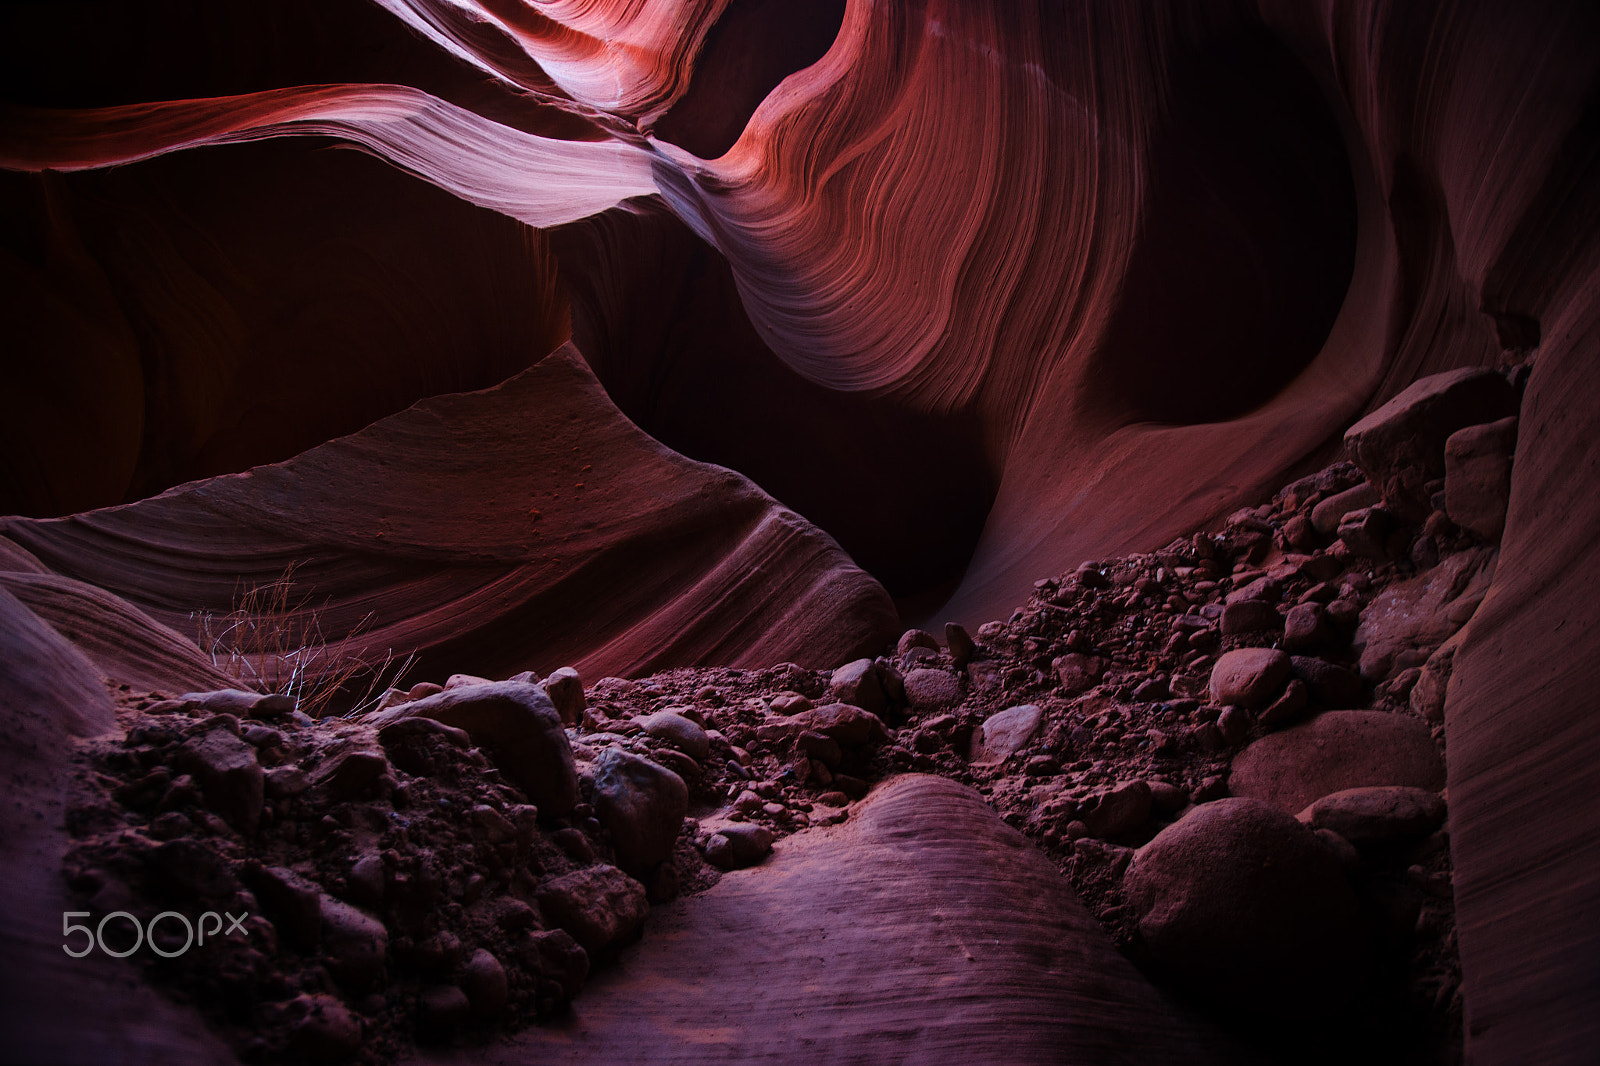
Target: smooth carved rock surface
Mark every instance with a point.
(991, 958)
(887, 254)
(669, 548)
(49, 693)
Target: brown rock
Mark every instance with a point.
(484, 981)
(518, 724)
(599, 905)
(1250, 616)
(1119, 814)
(227, 770)
(679, 731)
(737, 845)
(857, 683)
(928, 689)
(1328, 684)
(916, 638)
(1379, 814)
(1306, 628)
(1077, 673)
(1428, 694)
(1287, 708)
(242, 704)
(1248, 909)
(565, 689)
(1400, 446)
(960, 642)
(293, 903)
(323, 1029)
(1249, 677)
(1004, 734)
(1326, 516)
(346, 775)
(1365, 532)
(443, 1008)
(1418, 615)
(1337, 750)
(355, 943)
(1477, 476)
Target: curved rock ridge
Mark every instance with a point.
(540, 180)
(922, 930)
(178, 335)
(474, 560)
(49, 694)
(1047, 287)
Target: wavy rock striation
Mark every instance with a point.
(1094, 274)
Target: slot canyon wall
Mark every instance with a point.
(679, 332)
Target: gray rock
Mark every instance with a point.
(1380, 814)
(1249, 677)
(642, 804)
(599, 905)
(520, 727)
(1004, 734)
(565, 689)
(1246, 908)
(680, 732)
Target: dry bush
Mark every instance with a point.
(273, 641)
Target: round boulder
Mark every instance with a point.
(1246, 908)
(680, 732)
(1249, 677)
(1335, 751)
(929, 689)
(642, 803)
